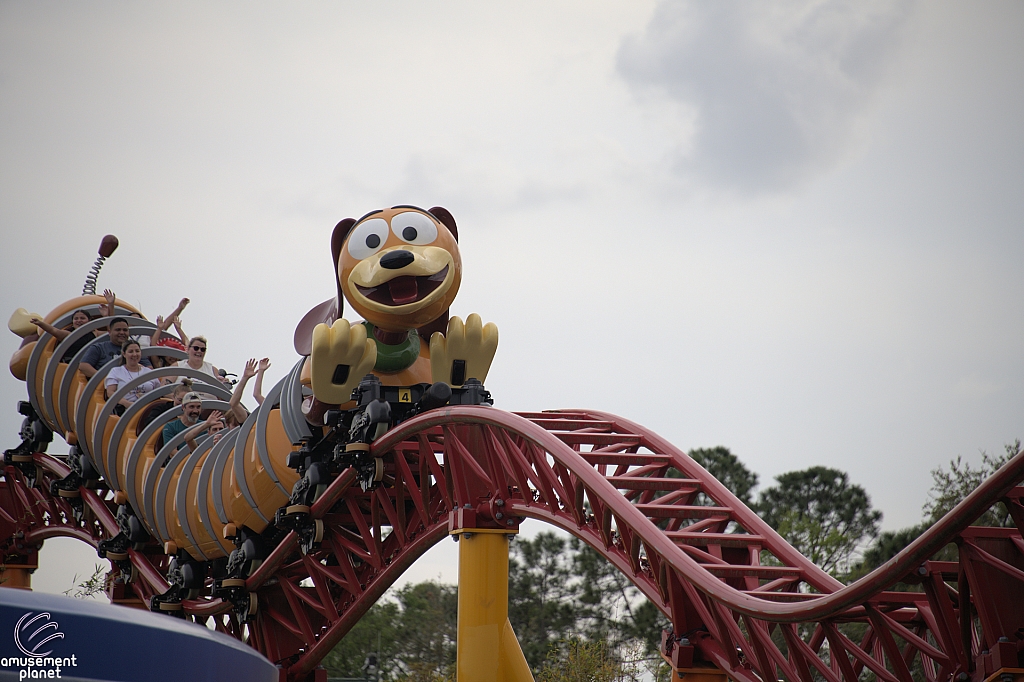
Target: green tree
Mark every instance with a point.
(378, 628)
(428, 627)
(887, 545)
(414, 634)
(89, 587)
(542, 594)
(949, 488)
(729, 471)
(424, 673)
(611, 609)
(824, 516)
(580, 660)
(561, 590)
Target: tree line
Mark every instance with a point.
(574, 612)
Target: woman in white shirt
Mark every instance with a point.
(129, 369)
(197, 358)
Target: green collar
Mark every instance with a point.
(398, 357)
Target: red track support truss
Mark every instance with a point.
(737, 595)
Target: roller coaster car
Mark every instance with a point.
(218, 511)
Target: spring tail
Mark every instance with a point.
(107, 246)
(90, 280)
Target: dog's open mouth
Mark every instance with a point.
(404, 290)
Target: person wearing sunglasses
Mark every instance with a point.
(197, 358)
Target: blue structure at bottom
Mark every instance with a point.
(45, 636)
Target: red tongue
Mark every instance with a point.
(403, 290)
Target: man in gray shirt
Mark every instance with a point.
(102, 352)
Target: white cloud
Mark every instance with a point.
(777, 87)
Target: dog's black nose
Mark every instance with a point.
(396, 260)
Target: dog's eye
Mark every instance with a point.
(414, 228)
(367, 238)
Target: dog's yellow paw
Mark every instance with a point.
(340, 355)
(465, 352)
(20, 322)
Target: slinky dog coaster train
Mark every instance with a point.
(381, 441)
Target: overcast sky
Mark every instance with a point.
(792, 229)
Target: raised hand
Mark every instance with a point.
(250, 369)
(257, 388)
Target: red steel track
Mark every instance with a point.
(737, 595)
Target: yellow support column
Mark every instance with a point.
(488, 650)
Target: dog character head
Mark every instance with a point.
(367, 283)
(400, 267)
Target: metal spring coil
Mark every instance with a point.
(90, 280)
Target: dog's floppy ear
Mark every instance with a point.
(327, 312)
(331, 309)
(341, 231)
(446, 219)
